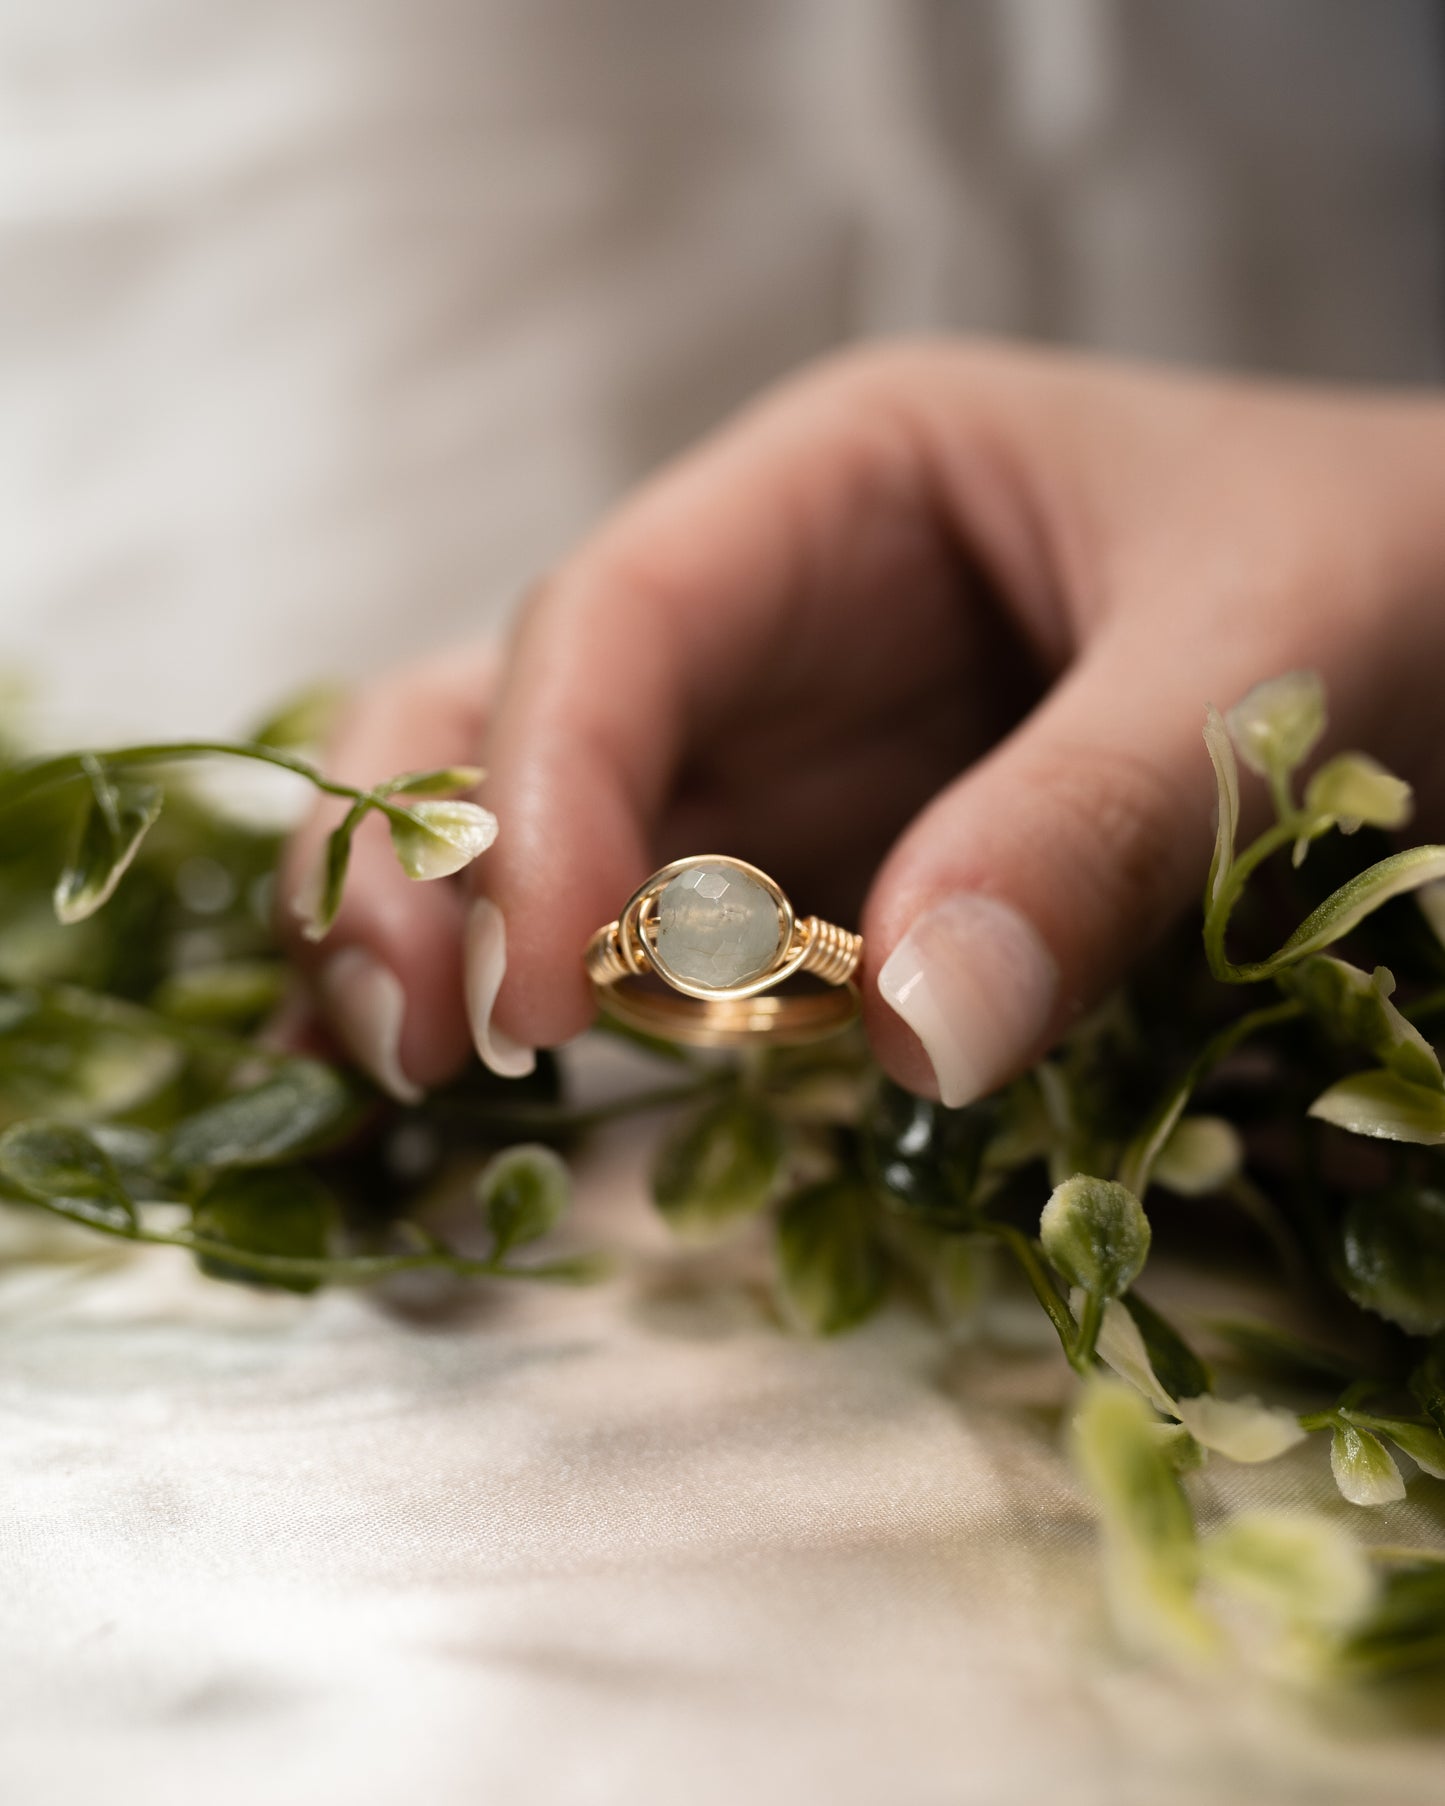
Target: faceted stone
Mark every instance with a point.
(716, 926)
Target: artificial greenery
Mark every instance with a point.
(1283, 1114)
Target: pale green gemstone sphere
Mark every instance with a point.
(716, 926)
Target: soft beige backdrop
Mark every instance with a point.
(325, 325)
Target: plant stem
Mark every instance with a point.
(26, 781)
(1216, 918)
(343, 1269)
(1057, 1311)
(1091, 1320)
(1279, 791)
(1137, 1163)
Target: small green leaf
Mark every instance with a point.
(831, 1267)
(1150, 1556)
(301, 1105)
(319, 897)
(1344, 909)
(1384, 1105)
(1355, 1007)
(284, 1213)
(237, 995)
(1353, 790)
(1276, 725)
(433, 840)
(1226, 778)
(1184, 1454)
(524, 1192)
(718, 1166)
(58, 1063)
(1178, 1369)
(448, 780)
(1096, 1235)
(1134, 1486)
(61, 1165)
(1241, 1429)
(1120, 1345)
(1421, 1442)
(1363, 1467)
(1392, 1256)
(117, 818)
(1305, 1571)
(1202, 1154)
(137, 1155)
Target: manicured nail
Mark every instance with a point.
(367, 1006)
(975, 983)
(486, 964)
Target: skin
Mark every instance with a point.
(928, 618)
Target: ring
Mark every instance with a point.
(720, 934)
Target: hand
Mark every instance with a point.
(929, 631)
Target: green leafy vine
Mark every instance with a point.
(141, 1100)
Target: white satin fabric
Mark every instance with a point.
(323, 327)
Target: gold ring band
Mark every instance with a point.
(720, 935)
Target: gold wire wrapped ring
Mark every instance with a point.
(721, 936)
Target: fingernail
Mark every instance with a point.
(975, 983)
(486, 964)
(367, 1006)
(304, 903)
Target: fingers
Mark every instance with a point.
(762, 609)
(1235, 537)
(1025, 890)
(804, 631)
(388, 977)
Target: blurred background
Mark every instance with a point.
(327, 324)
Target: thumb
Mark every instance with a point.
(1025, 890)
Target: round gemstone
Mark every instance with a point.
(716, 926)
